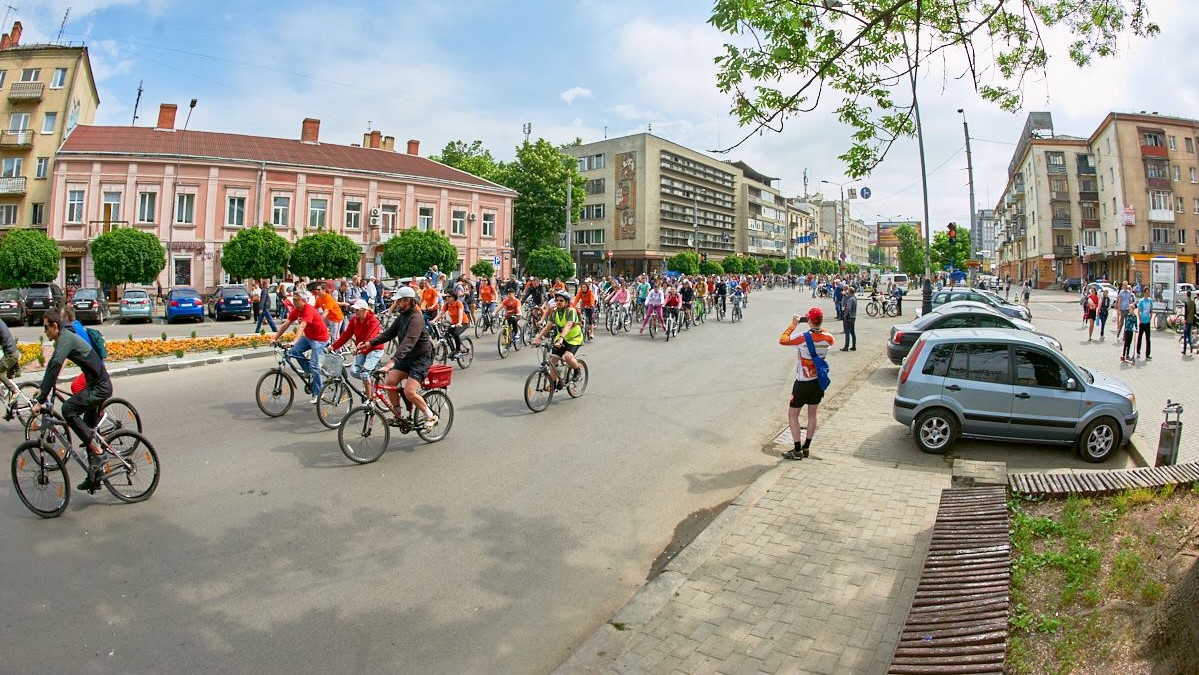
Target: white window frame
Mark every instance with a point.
(425, 222)
(1160, 200)
(1196, 203)
(281, 213)
(41, 168)
(75, 205)
(488, 224)
(59, 78)
(1181, 206)
(354, 215)
(318, 216)
(9, 214)
(147, 206)
(1172, 142)
(1177, 173)
(458, 223)
(185, 208)
(12, 167)
(235, 211)
(18, 121)
(31, 74)
(105, 200)
(49, 121)
(1194, 174)
(389, 217)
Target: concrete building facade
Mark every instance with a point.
(46, 90)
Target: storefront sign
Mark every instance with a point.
(73, 249)
(194, 246)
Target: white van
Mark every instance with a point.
(897, 278)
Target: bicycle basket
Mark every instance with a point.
(438, 377)
(331, 364)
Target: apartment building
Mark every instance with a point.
(985, 237)
(763, 210)
(196, 189)
(803, 216)
(46, 90)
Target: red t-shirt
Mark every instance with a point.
(314, 325)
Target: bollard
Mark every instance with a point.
(1171, 435)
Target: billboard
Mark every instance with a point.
(886, 231)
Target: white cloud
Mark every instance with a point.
(574, 92)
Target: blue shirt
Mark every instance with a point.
(1145, 305)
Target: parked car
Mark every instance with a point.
(12, 305)
(184, 302)
(1113, 293)
(1180, 293)
(136, 303)
(1009, 385)
(954, 294)
(41, 298)
(961, 314)
(1072, 284)
(227, 300)
(90, 305)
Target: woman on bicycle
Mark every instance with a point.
(453, 311)
(414, 354)
(672, 304)
(653, 304)
(585, 301)
(487, 296)
(569, 338)
(363, 328)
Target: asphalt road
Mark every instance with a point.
(496, 550)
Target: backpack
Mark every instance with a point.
(822, 377)
(98, 344)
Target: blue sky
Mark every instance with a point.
(476, 69)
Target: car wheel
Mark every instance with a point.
(1099, 440)
(935, 430)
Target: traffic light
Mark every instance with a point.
(953, 233)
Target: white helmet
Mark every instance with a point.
(406, 292)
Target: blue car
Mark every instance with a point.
(183, 302)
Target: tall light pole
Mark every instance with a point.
(844, 208)
(970, 178)
(175, 197)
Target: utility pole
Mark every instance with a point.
(695, 218)
(175, 198)
(569, 245)
(970, 178)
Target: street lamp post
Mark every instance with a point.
(175, 197)
(841, 187)
(970, 179)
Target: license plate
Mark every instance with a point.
(37, 303)
(237, 302)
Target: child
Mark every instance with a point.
(1130, 328)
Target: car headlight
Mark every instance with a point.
(1132, 398)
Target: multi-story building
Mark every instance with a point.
(45, 91)
(196, 189)
(803, 215)
(840, 232)
(986, 227)
(764, 211)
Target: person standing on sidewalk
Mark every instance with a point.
(1090, 310)
(1105, 305)
(1144, 311)
(849, 317)
(1124, 302)
(1188, 318)
(806, 390)
(1128, 328)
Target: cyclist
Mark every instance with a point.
(739, 294)
(414, 355)
(487, 297)
(585, 300)
(671, 304)
(642, 290)
(510, 306)
(79, 410)
(687, 295)
(363, 328)
(569, 338)
(314, 339)
(328, 307)
(701, 291)
(535, 292)
(430, 298)
(722, 291)
(454, 312)
(10, 363)
(653, 305)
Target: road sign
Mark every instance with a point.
(495, 261)
(865, 192)
(973, 264)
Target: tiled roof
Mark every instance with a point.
(145, 141)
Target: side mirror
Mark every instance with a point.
(1071, 384)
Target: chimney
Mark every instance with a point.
(366, 140)
(389, 143)
(14, 38)
(413, 147)
(310, 130)
(376, 139)
(166, 116)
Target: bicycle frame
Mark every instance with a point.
(50, 426)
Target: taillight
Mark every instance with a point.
(898, 337)
(174, 303)
(911, 360)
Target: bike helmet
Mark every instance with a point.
(562, 294)
(406, 292)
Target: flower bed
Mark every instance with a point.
(123, 350)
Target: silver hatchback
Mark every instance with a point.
(1009, 385)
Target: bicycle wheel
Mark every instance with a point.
(578, 383)
(441, 352)
(478, 329)
(467, 355)
(504, 341)
(626, 320)
(872, 308)
(653, 331)
(363, 435)
(669, 328)
(117, 414)
(135, 477)
(41, 479)
(275, 392)
(22, 409)
(443, 408)
(538, 391)
(336, 400)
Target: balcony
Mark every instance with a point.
(1063, 251)
(1018, 188)
(1155, 151)
(25, 91)
(1062, 224)
(1161, 215)
(1085, 168)
(1158, 183)
(1088, 196)
(1057, 196)
(1055, 169)
(1163, 248)
(12, 186)
(1090, 223)
(16, 139)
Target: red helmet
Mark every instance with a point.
(815, 315)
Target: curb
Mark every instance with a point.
(180, 364)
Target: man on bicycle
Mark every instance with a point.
(364, 327)
(79, 410)
(314, 339)
(570, 336)
(585, 299)
(10, 363)
(510, 306)
(414, 354)
(454, 313)
(687, 295)
(722, 291)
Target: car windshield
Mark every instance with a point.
(185, 294)
(10, 295)
(38, 290)
(86, 293)
(233, 292)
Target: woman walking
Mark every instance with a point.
(1090, 309)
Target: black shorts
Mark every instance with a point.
(561, 348)
(806, 392)
(417, 369)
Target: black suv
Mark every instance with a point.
(39, 299)
(1072, 284)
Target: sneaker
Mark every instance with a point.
(1148, 358)
(314, 399)
(429, 422)
(792, 454)
(95, 467)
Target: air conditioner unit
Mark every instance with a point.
(1144, 248)
(471, 217)
(375, 212)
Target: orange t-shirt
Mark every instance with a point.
(585, 298)
(430, 298)
(487, 293)
(332, 309)
(511, 306)
(456, 312)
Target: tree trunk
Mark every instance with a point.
(1171, 639)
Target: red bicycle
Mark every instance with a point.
(366, 430)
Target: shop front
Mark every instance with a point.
(186, 259)
(74, 259)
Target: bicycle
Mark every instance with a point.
(721, 307)
(366, 430)
(276, 389)
(539, 388)
(114, 413)
(653, 322)
(488, 322)
(337, 397)
(20, 404)
(737, 312)
(129, 470)
(874, 307)
(619, 318)
(509, 338)
(670, 325)
(441, 346)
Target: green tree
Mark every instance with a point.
(862, 51)
(472, 158)
(943, 254)
(27, 257)
(414, 251)
(731, 264)
(781, 266)
(256, 253)
(911, 250)
(483, 269)
(540, 174)
(550, 263)
(710, 267)
(126, 255)
(325, 255)
(686, 263)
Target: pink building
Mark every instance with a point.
(196, 189)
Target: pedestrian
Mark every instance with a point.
(1090, 311)
(1188, 318)
(897, 293)
(255, 296)
(849, 317)
(263, 305)
(837, 294)
(1144, 311)
(1027, 291)
(811, 376)
(1105, 304)
(1129, 327)
(1124, 302)
(1007, 289)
